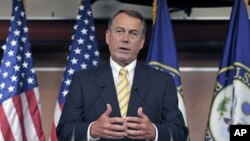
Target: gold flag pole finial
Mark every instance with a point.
(79, 2)
(246, 2)
(154, 10)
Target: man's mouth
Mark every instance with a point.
(124, 50)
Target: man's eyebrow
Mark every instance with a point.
(119, 27)
(133, 30)
(130, 30)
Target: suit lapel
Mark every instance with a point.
(109, 92)
(139, 89)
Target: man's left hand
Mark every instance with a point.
(140, 127)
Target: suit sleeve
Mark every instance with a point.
(172, 125)
(72, 115)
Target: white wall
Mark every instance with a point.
(42, 8)
(67, 9)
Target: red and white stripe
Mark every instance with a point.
(57, 114)
(20, 118)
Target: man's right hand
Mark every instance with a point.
(108, 127)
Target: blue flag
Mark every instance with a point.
(162, 51)
(83, 54)
(20, 112)
(231, 98)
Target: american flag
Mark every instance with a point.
(19, 96)
(83, 54)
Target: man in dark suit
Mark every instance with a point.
(122, 100)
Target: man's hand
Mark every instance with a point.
(140, 127)
(108, 127)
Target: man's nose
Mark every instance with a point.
(125, 37)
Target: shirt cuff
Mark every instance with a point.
(89, 138)
(156, 134)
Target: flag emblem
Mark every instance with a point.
(231, 98)
(162, 54)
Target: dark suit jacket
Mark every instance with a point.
(91, 90)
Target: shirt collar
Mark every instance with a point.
(116, 67)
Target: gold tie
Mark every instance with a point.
(123, 91)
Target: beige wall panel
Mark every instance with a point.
(49, 83)
(198, 90)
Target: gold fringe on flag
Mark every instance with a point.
(154, 11)
(24, 3)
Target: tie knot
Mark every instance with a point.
(123, 71)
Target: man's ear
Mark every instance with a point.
(142, 42)
(107, 34)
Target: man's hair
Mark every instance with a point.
(133, 14)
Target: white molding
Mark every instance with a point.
(182, 69)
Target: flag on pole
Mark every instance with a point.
(231, 97)
(162, 53)
(19, 96)
(83, 54)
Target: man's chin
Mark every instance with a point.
(123, 57)
(124, 61)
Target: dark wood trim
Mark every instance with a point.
(43, 30)
(185, 3)
(188, 33)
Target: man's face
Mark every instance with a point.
(125, 39)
